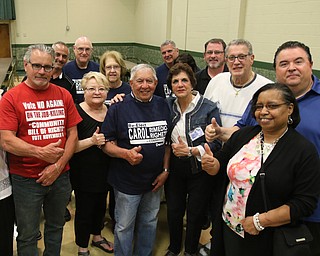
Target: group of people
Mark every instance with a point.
(176, 126)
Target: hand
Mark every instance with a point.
(159, 181)
(213, 131)
(248, 226)
(117, 98)
(208, 162)
(98, 138)
(49, 175)
(180, 149)
(52, 152)
(133, 156)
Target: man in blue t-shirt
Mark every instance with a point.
(136, 139)
(82, 64)
(293, 65)
(169, 53)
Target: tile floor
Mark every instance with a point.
(69, 248)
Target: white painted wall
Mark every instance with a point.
(190, 23)
(101, 20)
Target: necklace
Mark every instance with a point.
(266, 148)
(238, 89)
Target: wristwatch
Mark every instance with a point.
(166, 170)
(190, 151)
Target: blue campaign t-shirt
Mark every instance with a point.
(162, 88)
(72, 70)
(133, 123)
(124, 88)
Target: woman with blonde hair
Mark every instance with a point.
(90, 166)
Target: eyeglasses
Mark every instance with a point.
(115, 67)
(269, 106)
(93, 90)
(37, 67)
(81, 49)
(215, 52)
(240, 57)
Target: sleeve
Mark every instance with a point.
(215, 145)
(306, 188)
(246, 119)
(73, 115)
(8, 114)
(109, 124)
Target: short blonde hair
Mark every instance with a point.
(100, 78)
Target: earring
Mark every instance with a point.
(290, 120)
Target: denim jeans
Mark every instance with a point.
(135, 214)
(29, 198)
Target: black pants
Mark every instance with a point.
(6, 226)
(186, 192)
(90, 211)
(314, 228)
(112, 202)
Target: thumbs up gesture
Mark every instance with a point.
(98, 138)
(208, 162)
(134, 156)
(180, 149)
(213, 131)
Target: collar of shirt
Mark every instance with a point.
(133, 96)
(180, 127)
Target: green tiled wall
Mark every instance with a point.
(140, 53)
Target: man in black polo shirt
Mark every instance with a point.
(214, 56)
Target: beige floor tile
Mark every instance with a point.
(69, 247)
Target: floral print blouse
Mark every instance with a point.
(242, 170)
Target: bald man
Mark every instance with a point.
(82, 64)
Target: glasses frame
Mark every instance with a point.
(269, 106)
(240, 57)
(38, 67)
(114, 67)
(82, 49)
(214, 52)
(93, 90)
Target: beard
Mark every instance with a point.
(215, 64)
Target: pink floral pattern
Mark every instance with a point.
(242, 170)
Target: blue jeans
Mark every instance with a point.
(29, 198)
(135, 214)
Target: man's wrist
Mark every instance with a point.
(166, 170)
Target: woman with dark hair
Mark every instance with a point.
(187, 58)
(187, 187)
(290, 163)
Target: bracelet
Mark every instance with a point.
(256, 222)
(166, 170)
(190, 151)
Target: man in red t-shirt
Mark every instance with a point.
(38, 128)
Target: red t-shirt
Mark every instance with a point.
(39, 118)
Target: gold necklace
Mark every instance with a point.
(244, 85)
(237, 91)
